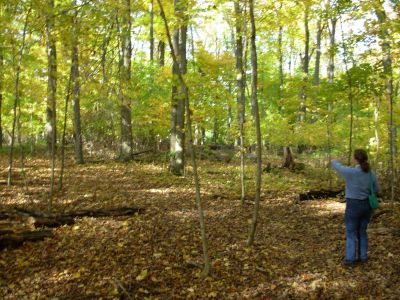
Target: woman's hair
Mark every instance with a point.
(361, 156)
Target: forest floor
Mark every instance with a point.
(158, 255)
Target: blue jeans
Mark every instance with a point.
(356, 218)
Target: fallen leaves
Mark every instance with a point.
(158, 254)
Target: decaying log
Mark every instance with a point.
(12, 240)
(55, 220)
(379, 213)
(111, 212)
(321, 194)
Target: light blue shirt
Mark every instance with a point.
(357, 181)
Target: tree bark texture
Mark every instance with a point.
(76, 90)
(240, 87)
(280, 58)
(177, 138)
(184, 88)
(16, 99)
(50, 129)
(331, 76)
(254, 101)
(151, 12)
(1, 91)
(126, 146)
(161, 53)
(305, 66)
(388, 75)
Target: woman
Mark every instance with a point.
(358, 212)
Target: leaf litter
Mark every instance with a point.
(158, 255)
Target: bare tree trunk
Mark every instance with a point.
(376, 123)
(76, 90)
(161, 53)
(331, 76)
(280, 58)
(16, 97)
(388, 73)
(1, 91)
(106, 89)
(126, 147)
(67, 96)
(240, 84)
(52, 76)
(317, 69)
(52, 89)
(349, 95)
(185, 90)
(151, 30)
(254, 101)
(305, 65)
(177, 139)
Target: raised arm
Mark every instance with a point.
(342, 170)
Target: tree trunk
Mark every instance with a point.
(52, 77)
(331, 76)
(185, 91)
(76, 90)
(161, 53)
(1, 91)
(240, 84)
(305, 66)
(317, 69)
(67, 96)
(254, 101)
(52, 90)
(125, 101)
(280, 58)
(349, 96)
(288, 158)
(16, 98)
(177, 139)
(151, 30)
(388, 75)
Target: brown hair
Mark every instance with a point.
(361, 156)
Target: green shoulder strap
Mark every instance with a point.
(371, 183)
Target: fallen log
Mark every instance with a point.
(321, 194)
(111, 212)
(55, 220)
(12, 240)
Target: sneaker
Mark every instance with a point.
(362, 261)
(348, 263)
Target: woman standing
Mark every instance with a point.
(358, 212)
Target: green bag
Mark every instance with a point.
(373, 200)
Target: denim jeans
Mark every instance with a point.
(356, 218)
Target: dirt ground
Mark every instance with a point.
(158, 254)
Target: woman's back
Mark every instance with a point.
(357, 181)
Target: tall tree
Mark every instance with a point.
(1, 89)
(350, 96)
(305, 59)
(177, 138)
(254, 102)
(51, 91)
(75, 78)
(161, 53)
(332, 20)
(126, 147)
(316, 80)
(240, 88)
(151, 30)
(51, 76)
(185, 90)
(384, 36)
(17, 93)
